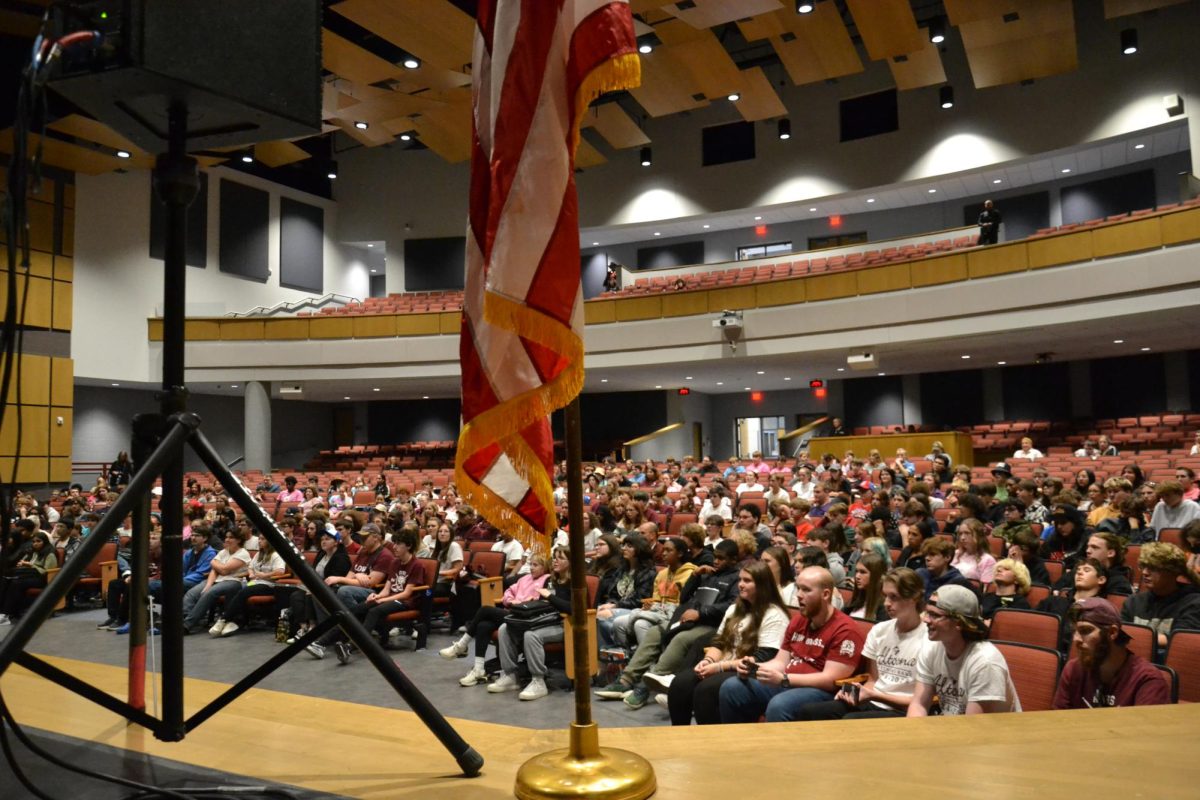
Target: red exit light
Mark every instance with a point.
(756, 397)
(819, 393)
(760, 230)
(685, 390)
(835, 221)
(816, 384)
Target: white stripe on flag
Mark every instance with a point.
(505, 26)
(503, 479)
(502, 357)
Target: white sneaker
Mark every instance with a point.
(661, 699)
(456, 650)
(4, 620)
(475, 676)
(535, 689)
(505, 683)
(230, 629)
(656, 681)
(218, 628)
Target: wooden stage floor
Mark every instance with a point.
(362, 751)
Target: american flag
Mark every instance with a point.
(537, 65)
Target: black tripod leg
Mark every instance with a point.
(468, 759)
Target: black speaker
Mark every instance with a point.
(247, 70)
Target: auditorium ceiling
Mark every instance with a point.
(703, 52)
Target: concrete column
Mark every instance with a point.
(258, 426)
(1179, 391)
(1079, 377)
(910, 385)
(993, 395)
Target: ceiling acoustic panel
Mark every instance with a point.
(617, 127)
(707, 13)
(920, 68)
(1123, 8)
(667, 86)
(759, 100)
(434, 31)
(588, 156)
(821, 49)
(64, 155)
(276, 154)
(708, 63)
(346, 59)
(447, 130)
(887, 27)
(1039, 41)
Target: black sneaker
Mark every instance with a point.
(103, 626)
(343, 652)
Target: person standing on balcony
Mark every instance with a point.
(989, 224)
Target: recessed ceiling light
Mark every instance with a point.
(247, 158)
(656, 233)
(841, 369)
(997, 180)
(1118, 341)
(375, 389)
(965, 357)
(374, 271)
(720, 383)
(761, 372)
(645, 49)
(1145, 349)
(411, 63)
(347, 397)
(870, 199)
(406, 137)
(687, 377)
(116, 384)
(1001, 363)
(369, 244)
(787, 379)
(424, 397)
(362, 126)
(1138, 146)
(705, 225)
(1065, 170)
(733, 98)
(233, 386)
(813, 208)
(756, 219)
(747, 388)
(595, 244)
(933, 191)
(124, 154)
(804, 8)
(658, 386)
(882, 374)
(604, 380)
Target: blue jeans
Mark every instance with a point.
(197, 603)
(745, 701)
(605, 626)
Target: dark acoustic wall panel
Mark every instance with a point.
(1108, 196)
(434, 263)
(1021, 215)
(678, 254)
(592, 269)
(392, 421)
(873, 401)
(1128, 386)
(1193, 368)
(610, 418)
(724, 144)
(950, 399)
(245, 218)
(197, 227)
(301, 246)
(1036, 392)
(869, 115)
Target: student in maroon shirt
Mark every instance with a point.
(1106, 673)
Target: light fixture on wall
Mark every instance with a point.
(946, 97)
(331, 171)
(1129, 43)
(937, 31)
(785, 128)
(645, 158)
(805, 6)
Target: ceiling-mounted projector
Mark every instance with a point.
(862, 361)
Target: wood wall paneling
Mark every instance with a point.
(60, 435)
(636, 308)
(997, 260)
(1180, 227)
(62, 382)
(684, 304)
(945, 269)
(598, 312)
(284, 329)
(732, 297)
(374, 326)
(709, 64)
(832, 286)
(1054, 250)
(781, 293)
(1123, 8)
(1142, 234)
(63, 309)
(419, 324)
(892, 278)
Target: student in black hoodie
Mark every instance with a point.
(702, 604)
(1165, 604)
(1024, 548)
(1067, 542)
(1109, 550)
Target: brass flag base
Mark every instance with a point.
(584, 769)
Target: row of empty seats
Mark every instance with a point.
(1099, 221)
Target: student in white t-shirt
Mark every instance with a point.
(966, 672)
(890, 653)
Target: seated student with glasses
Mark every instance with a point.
(958, 665)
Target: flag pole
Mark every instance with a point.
(583, 768)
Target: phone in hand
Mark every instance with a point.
(751, 670)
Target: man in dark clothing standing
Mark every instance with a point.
(989, 224)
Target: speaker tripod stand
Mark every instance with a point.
(158, 448)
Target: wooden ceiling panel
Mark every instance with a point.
(709, 64)
(447, 130)
(759, 100)
(762, 27)
(346, 59)
(276, 154)
(617, 127)
(959, 12)
(434, 31)
(667, 87)
(921, 68)
(642, 6)
(429, 78)
(588, 156)
(707, 13)
(82, 127)
(888, 27)
(388, 106)
(821, 49)
(1039, 43)
(371, 137)
(676, 31)
(1034, 19)
(67, 156)
(1123, 8)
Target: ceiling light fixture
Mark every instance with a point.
(812, 208)
(645, 157)
(411, 62)
(996, 180)
(375, 389)
(705, 226)
(331, 171)
(841, 369)
(658, 386)
(1138, 146)
(347, 397)
(870, 199)
(946, 97)
(248, 157)
(124, 154)
(116, 384)
(965, 357)
(805, 7)
(595, 244)
(645, 48)
(757, 218)
(362, 126)
(933, 191)
(424, 397)
(1129, 44)
(734, 97)
(1118, 341)
(1001, 363)
(1145, 349)
(720, 383)
(370, 244)
(784, 126)
(787, 379)
(1065, 170)
(937, 31)
(658, 233)
(604, 380)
